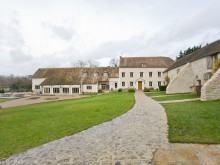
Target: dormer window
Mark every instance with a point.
(85, 74)
(105, 74)
(143, 65)
(95, 74)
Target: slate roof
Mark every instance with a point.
(75, 76)
(207, 50)
(145, 62)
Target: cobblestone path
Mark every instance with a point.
(129, 139)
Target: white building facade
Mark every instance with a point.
(133, 72)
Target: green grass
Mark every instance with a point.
(194, 122)
(155, 93)
(29, 126)
(176, 97)
(4, 100)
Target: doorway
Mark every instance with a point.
(139, 84)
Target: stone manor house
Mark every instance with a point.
(189, 74)
(133, 72)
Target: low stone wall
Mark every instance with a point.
(182, 82)
(211, 89)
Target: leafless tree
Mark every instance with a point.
(92, 64)
(88, 63)
(113, 62)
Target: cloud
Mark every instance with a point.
(65, 33)
(19, 56)
(10, 34)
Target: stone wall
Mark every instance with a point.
(182, 82)
(211, 89)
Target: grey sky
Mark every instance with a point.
(55, 33)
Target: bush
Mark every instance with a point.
(131, 90)
(146, 89)
(163, 87)
(119, 90)
(100, 91)
(2, 91)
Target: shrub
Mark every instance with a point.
(2, 91)
(146, 89)
(119, 90)
(100, 91)
(163, 87)
(131, 90)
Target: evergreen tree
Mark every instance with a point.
(188, 51)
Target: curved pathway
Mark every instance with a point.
(129, 139)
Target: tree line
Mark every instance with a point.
(188, 51)
(15, 83)
(90, 63)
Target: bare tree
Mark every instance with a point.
(88, 63)
(79, 64)
(113, 62)
(92, 64)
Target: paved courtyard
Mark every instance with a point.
(35, 99)
(129, 139)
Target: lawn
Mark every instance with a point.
(29, 126)
(176, 97)
(194, 122)
(155, 93)
(4, 100)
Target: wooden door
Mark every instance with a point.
(139, 84)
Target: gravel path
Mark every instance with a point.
(129, 139)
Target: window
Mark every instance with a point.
(141, 74)
(46, 90)
(116, 85)
(75, 90)
(159, 74)
(103, 87)
(66, 90)
(85, 74)
(105, 74)
(88, 87)
(215, 57)
(123, 84)
(177, 71)
(150, 74)
(56, 90)
(123, 74)
(143, 65)
(131, 74)
(209, 61)
(159, 83)
(150, 84)
(37, 87)
(95, 74)
(131, 84)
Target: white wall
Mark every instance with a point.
(37, 81)
(112, 82)
(136, 77)
(199, 68)
(93, 90)
(183, 82)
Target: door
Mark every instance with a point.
(139, 84)
(116, 85)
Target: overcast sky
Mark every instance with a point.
(57, 33)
